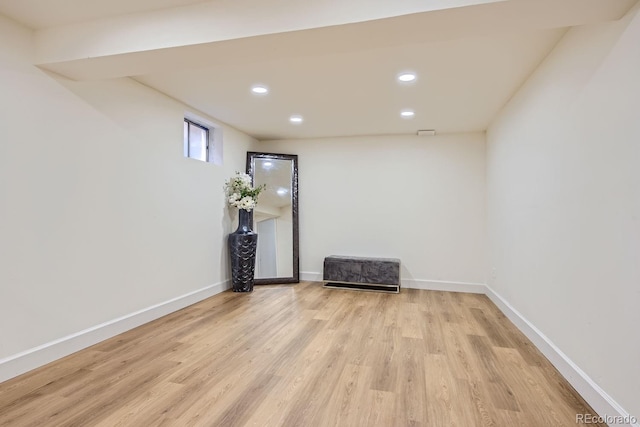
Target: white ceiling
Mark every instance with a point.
(334, 62)
(50, 13)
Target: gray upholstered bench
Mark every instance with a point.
(366, 274)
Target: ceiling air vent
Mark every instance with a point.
(427, 132)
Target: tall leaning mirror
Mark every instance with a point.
(276, 217)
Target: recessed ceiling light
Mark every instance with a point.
(407, 114)
(406, 77)
(282, 191)
(296, 119)
(267, 165)
(259, 89)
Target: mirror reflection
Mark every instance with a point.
(275, 217)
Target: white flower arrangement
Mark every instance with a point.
(240, 193)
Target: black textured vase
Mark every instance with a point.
(242, 248)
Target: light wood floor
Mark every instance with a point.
(303, 355)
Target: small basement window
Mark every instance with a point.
(196, 141)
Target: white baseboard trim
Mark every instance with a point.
(310, 276)
(431, 285)
(25, 361)
(441, 285)
(600, 401)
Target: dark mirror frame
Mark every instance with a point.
(251, 156)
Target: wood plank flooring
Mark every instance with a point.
(303, 355)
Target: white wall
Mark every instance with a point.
(563, 186)
(101, 215)
(420, 199)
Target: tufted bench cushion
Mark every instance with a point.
(372, 274)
